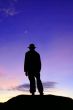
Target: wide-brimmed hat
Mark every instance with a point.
(32, 46)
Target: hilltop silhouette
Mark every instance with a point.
(31, 102)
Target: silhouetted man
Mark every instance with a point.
(32, 67)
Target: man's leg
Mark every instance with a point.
(39, 84)
(32, 84)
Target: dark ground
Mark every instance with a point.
(49, 102)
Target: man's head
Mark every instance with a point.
(32, 47)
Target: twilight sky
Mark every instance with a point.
(46, 23)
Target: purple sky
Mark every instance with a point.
(49, 25)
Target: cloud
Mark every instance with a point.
(9, 11)
(25, 87)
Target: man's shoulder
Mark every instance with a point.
(27, 53)
(37, 53)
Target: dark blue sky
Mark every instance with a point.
(38, 17)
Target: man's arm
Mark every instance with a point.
(25, 64)
(39, 63)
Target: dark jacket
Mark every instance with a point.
(32, 62)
